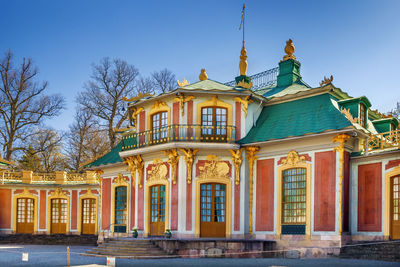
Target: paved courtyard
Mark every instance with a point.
(56, 255)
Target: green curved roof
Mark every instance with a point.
(296, 118)
(109, 158)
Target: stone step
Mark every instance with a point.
(139, 250)
(125, 253)
(132, 257)
(129, 245)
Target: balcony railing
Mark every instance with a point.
(383, 141)
(179, 133)
(58, 177)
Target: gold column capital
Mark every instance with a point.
(237, 161)
(189, 159)
(135, 164)
(173, 159)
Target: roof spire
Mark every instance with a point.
(242, 80)
(203, 75)
(289, 50)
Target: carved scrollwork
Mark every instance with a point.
(215, 168)
(293, 158)
(158, 171)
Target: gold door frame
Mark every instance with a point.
(88, 195)
(388, 176)
(58, 193)
(25, 194)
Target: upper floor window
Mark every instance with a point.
(213, 123)
(362, 115)
(159, 123)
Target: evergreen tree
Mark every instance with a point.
(30, 160)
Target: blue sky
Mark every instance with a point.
(355, 41)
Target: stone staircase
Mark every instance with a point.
(128, 248)
(383, 250)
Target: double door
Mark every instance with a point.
(25, 215)
(212, 210)
(88, 216)
(157, 210)
(59, 216)
(395, 207)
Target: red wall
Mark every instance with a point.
(190, 117)
(132, 205)
(236, 221)
(370, 197)
(265, 195)
(174, 203)
(43, 211)
(324, 191)
(5, 208)
(175, 118)
(346, 192)
(74, 210)
(238, 119)
(140, 206)
(188, 207)
(106, 204)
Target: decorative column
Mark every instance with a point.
(237, 161)
(135, 164)
(189, 158)
(173, 160)
(341, 139)
(251, 157)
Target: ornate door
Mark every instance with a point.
(157, 210)
(213, 124)
(395, 208)
(120, 209)
(212, 210)
(88, 216)
(25, 215)
(59, 216)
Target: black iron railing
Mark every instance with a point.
(179, 133)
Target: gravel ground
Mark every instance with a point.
(56, 255)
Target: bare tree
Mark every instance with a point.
(45, 146)
(163, 80)
(23, 103)
(111, 80)
(145, 85)
(396, 111)
(85, 140)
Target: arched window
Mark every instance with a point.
(159, 123)
(213, 123)
(294, 197)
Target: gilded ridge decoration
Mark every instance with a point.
(348, 115)
(182, 99)
(243, 61)
(183, 83)
(120, 179)
(341, 139)
(245, 101)
(237, 161)
(293, 158)
(215, 168)
(326, 81)
(289, 50)
(135, 164)
(134, 112)
(189, 159)
(251, 157)
(203, 75)
(173, 160)
(138, 97)
(158, 171)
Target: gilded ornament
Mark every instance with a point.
(289, 50)
(135, 111)
(251, 157)
(237, 161)
(245, 103)
(158, 104)
(203, 75)
(189, 159)
(182, 99)
(348, 115)
(139, 96)
(183, 83)
(214, 168)
(135, 164)
(244, 84)
(326, 81)
(120, 179)
(341, 139)
(58, 193)
(293, 158)
(173, 160)
(243, 61)
(158, 171)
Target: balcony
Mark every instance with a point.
(179, 133)
(382, 141)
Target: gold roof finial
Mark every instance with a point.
(183, 83)
(243, 61)
(289, 50)
(203, 75)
